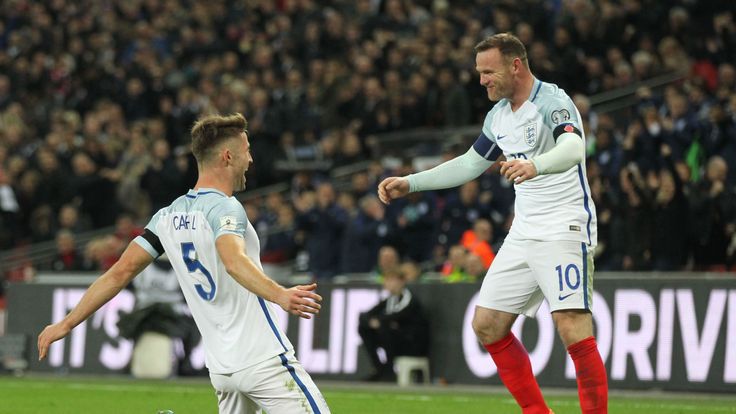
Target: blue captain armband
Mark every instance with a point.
(487, 148)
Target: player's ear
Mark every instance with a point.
(516, 64)
(226, 155)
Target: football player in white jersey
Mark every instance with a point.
(215, 253)
(549, 250)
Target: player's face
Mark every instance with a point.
(495, 74)
(244, 161)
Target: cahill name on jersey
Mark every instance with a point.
(547, 207)
(238, 328)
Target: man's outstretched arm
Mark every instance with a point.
(298, 300)
(132, 262)
(452, 173)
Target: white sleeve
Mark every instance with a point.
(452, 173)
(567, 152)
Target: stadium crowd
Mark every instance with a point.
(96, 99)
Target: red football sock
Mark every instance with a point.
(515, 371)
(591, 373)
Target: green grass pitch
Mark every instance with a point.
(73, 395)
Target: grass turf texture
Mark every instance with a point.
(123, 395)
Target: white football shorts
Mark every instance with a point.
(526, 272)
(279, 385)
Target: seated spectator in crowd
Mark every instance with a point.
(364, 236)
(477, 241)
(463, 266)
(452, 270)
(388, 261)
(125, 228)
(713, 209)
(411, 271)
(474, 267)
(323, 222)
(9, 211)
(69, 219)
(102, 252)
(397, 324)
(67, 257)
(670, 206)
(461, 212)
(415, 220)
(280, 245)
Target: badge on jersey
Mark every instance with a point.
(228, 223)
(530, 133)
(560, 115)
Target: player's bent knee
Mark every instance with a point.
(491, 326)
(573, 325)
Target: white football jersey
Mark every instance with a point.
(552, 206)
(238, 328)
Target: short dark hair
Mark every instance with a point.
(208, 132)
(507, 44)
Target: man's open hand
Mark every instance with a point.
(301, 301)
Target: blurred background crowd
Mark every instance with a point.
(97, 97)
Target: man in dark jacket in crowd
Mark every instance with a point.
(397, 324)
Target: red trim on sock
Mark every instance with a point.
(515, 370)
(591, 376)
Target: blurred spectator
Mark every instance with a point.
(162, 180)
(102, 252)
(411, 271)
(477, 241)
(280, 245)
(93, 191)
(125, 228)
(669, 242)
(9, 212)
(475, 269)
(713, 210)
(53, 187)
(69, 219)
(634, 222)
(42, 226)
(453, 270)
(67, 257)
(388, 261)
(364, 236)
(323, 222)
(461, 212)
(397, 324)
(416, 228)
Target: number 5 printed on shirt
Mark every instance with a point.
(193, 264)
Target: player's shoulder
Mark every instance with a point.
(498, 107)
(550, 95)
(223, 203)
(554, 104)
(176, 205)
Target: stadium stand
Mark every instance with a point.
(96, 99)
